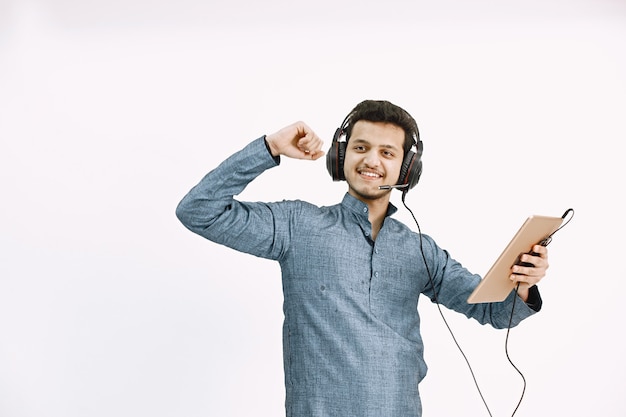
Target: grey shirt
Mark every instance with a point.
(351, 334)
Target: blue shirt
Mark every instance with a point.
(351, 334)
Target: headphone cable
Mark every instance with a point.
(545, 242)
(506, 350)
(436, 299)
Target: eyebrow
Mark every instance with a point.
(365, 141)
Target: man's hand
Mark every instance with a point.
(531, 275)
(295, 141)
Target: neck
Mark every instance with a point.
(377, 210)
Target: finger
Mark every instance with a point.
(520, 271)
(303, 130)
(540, 250)
(530, 280)
(537, 266)
(527, 279)
(310, 140)
(540, 262)
(312, 155)
(535, 260)
(310, 144)
(526, 274)
(307, 153)
(317, 155)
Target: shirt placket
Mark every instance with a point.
(377, 268)
(376, 260)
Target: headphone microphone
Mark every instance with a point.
(397, 186)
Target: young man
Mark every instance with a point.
(352, 275)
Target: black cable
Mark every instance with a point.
(506, 350)
(436, 299)
(544, 242)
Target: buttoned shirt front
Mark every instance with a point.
(351, 333)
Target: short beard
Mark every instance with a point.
(369, 196)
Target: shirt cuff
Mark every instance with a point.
(534, 298)
(276, 158)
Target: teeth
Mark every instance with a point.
(370, 174)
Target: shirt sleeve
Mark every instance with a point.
(534, 300)
(454, 284)
(211, 211)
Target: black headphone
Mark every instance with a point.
(410, 171)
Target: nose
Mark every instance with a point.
(371, 159)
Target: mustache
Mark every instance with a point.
(366, 169)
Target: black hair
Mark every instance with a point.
(385, 112)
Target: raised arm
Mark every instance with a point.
(211, 211)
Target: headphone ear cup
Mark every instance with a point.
(335, 158)
(411, 170)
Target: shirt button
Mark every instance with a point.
(376, 274)
(375, 250)
(364, 209)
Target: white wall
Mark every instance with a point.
(111, 110)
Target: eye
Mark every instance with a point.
(388, 154)
(359, 148)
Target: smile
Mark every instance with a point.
(370, 174)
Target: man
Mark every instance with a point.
(352, 275)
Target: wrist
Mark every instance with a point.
(270, 146)
(534, 300)
(269, 150)
(522, 291)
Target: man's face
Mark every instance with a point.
(374, 155)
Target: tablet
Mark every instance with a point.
(496, 285)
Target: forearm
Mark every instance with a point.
(213, 195)
(456, 284)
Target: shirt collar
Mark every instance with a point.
(354, 204)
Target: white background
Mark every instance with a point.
(111, 110)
